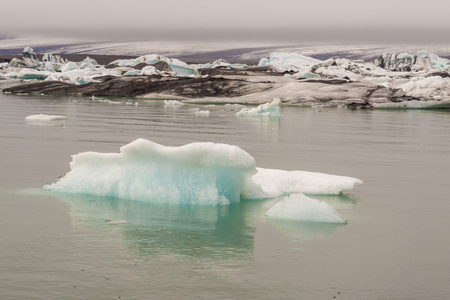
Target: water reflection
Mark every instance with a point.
(56, 123)
(304, 231)
(268, 128)
(199, 231)
(217, 232)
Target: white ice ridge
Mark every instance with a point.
(264, 110)
(45, 118)
(299, 207)
(196, 173)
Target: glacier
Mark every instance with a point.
(194, 174)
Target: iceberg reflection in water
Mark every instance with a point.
(198, 231)
(214, 232)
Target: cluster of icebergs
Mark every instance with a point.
(55, 68)
(421, 77)
(201, 174)
(424, 76)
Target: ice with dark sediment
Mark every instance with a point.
(393, 80)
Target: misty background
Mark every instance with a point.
(281, 21)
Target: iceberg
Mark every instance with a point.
(178, 67)
(202, 113)
(29, 52)
(69, 66)
(196, 173)
(298, 207)
(285, 61)
(432, 87)
(173, 103)
(423, 60)
(276, 183)
(264, 110)
(88, 63)
(149, 70)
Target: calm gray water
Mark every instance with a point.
(395, 245)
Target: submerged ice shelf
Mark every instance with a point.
(196, 173)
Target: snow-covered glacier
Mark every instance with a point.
(196, 173)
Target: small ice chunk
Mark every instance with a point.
(149, 70)
(132, 72)
(264, 110)
(202, 113)
(116, 222)
(45, 118)
(299, 207)
(173, 103)
(69, 66)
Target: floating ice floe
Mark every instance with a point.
(202, 113)
(197, 173)
(275, 183)
(45, 118)
(173, 103)
(299, 207)
(264, 110)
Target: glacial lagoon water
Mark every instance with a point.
(60, 246)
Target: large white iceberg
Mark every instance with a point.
(197, 173)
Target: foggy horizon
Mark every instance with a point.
(287, 21)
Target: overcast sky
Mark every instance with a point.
(277, 20)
